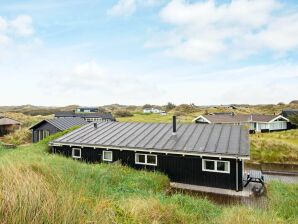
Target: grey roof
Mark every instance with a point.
(8, 121)
(63, 123)
(190, 138)
(108, 116)
(235, 118)
(65, 114)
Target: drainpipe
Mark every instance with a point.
(237, 187)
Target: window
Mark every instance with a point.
(46, 133)
(107, 156)
(40, 135)
(146, 159)
(76, 153)
(216, 166)
(43, 134)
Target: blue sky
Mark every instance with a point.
(96, 52)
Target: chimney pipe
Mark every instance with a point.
(174, 125)
(95, 125)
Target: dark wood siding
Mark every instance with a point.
(43, 126)
(181, 169)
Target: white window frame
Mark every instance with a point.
(73, 154)
(145, 163)
(215, 166)
(45, 133)
(40, 135)
(103, 156)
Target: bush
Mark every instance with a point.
(185, 109)
(294, 119)
(18, 137)
(123, 113)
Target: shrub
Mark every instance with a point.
(122, 113)
(18, 137)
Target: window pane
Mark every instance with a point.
(107, 155)
(77, 153)
(151, 159)
(209, 165)
(222, 166)
(141, 158)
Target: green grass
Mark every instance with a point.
(37, 187)
(157, 118)
(275, 147)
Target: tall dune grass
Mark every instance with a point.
(276, 147)
(37, 187)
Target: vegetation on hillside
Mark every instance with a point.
(37, 187)
(275, 147)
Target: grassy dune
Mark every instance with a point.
(277, 147)
(36, 187)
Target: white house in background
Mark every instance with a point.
(255, 122)
(151, 110)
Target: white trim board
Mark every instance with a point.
(154, 151)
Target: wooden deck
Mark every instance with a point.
(245, 193)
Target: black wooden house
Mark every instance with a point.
(90, 117)
(208, 155)
(48, 127)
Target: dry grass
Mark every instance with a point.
(36, 187)
(277, 147)
(26, 120)
(18, 137)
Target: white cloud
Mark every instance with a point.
(4, 40)
(203, 30)
(128, 7)
(22, 25)
(92, 83)
(123, 8)
(3, 24)
(11, 45)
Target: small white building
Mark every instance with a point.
(163, 113)
(151, 111)
(255, 122)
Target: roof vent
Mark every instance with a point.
(95, 125)
(174, 126)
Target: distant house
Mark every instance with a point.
(8, 125)
(90, 117)
(48, 127)
(255, 122)
(87, 110)
(152, 111)
(209, 155)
